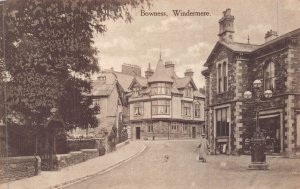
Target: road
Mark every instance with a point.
(181, 170)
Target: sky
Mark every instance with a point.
(188, 40)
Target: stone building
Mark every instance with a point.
(231, 69)
(163, 105)
(109, 96)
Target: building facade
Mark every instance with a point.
(231, 69)
(163, 105)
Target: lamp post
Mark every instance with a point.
(258, 156)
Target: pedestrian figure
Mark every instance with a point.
(204, 146)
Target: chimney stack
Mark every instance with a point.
(270, 35)
(149, 72)
(189, 73)
(226, 29)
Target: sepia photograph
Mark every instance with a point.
(149, 94)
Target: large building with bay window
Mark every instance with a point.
(231, 69)
(163, 105)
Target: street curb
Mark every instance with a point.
(64, 184)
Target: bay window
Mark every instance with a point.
(161, 89)
(161, 107)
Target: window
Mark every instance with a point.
(219, 78)
(96, 105)
(269, 76)
(188, 92)
(175, 126)
(161, 107)
(161, 88)
(222, 77)
(102, 78)
(197, 109)
(150, 127)
(184, 127)
(222, 122)
(136, 92)
(138, 108)
(186, 108)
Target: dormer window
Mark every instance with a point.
(188, 92)
(269, 76)
(102, 78)
(136, 91)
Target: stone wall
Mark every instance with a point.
(78, 144)
(75, 157)
(15, 168)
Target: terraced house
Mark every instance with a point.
(231, 69)
(163, 105)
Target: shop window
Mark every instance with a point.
(222, 123)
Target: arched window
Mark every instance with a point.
(269, 76)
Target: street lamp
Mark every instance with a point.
(258, 156)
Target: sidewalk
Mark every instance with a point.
(82, 171)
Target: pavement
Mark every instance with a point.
(81, 171)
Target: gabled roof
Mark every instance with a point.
(99, 88)
(141, 81)
(234, 47)
(183, 82)
(247, 48)
(160, 74)
(240, 47)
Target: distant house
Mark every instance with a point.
(231, 69)
(163, 105)
(109, 96)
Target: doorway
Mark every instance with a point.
(193, 132)
(138, 133)
(270, 126)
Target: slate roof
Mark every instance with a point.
(198, 94)
(160, 74)
(248, 48)
(101, 89)
(182, 82)
(241, 47)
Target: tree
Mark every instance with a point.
(50, 58)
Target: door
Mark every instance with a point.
(193, 132)
(138, 133)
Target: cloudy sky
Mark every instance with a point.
(188, 40)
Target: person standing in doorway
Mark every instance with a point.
(203, 148)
